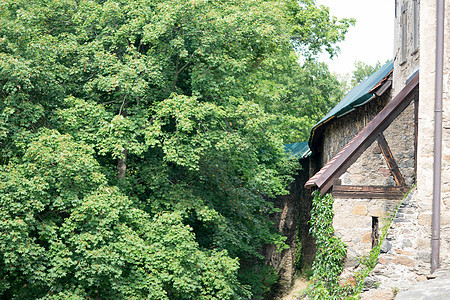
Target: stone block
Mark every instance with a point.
(424, 219)
(385, 246)
(445, 218)
(399, 251)
(370, 283)
(421, 278)
(367, 237)
(375, 213)
(384, 172)
(360, 210)
(383, 260)
(377, 294)
(406, 243)
(423, 243)
(424, 256)
(404, 260)
(376, 149)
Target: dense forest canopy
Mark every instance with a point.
(141, 141)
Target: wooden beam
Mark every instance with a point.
(384, 88)
(367, 136)
(390, 160)
(370, 192)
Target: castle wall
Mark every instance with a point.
(426, 125)
(339, 132)
(406, 255)
(354, 218)
(404, 67)
(294, 214)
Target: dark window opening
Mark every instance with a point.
(415, 25)
(375, 235)
(403, 26)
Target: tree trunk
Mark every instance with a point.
(121, 164)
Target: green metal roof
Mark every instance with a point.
(359, 95)
(300, 150)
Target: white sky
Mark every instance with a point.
(372, 37)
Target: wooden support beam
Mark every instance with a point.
(370, 192)
(383, 88)
(390, 160)
(351, 152)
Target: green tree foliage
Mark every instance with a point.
(362, 71)
(141, 140)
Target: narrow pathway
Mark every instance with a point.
(300, 284)
(433, 289)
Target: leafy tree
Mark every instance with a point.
(141, 141)
(68, 234)
(362, 71)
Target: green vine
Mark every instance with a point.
(331, 251)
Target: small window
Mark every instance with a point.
(415, 36)
(375, 235)
(395, 8)
(403, 26)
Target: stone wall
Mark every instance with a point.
(404, 69)
(340, 131)
(406, 254)
(354, 218)
(371, 167)
(353, 224)
(404, 258)
(308, 246)
(445, 203)
(426, 123)
(294, 215)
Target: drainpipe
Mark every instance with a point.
(435, 226)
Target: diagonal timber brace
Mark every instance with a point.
(392, 164)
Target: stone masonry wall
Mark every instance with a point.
(426, 124)
(339, 132)
(353, 217)
(406, 254)
(404, 69)
(445, 204)
(404, 257)
(294, 215)
(286, 223)
(353, 224)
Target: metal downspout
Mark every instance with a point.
(435, 227)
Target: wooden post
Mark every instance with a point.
(390, 160)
